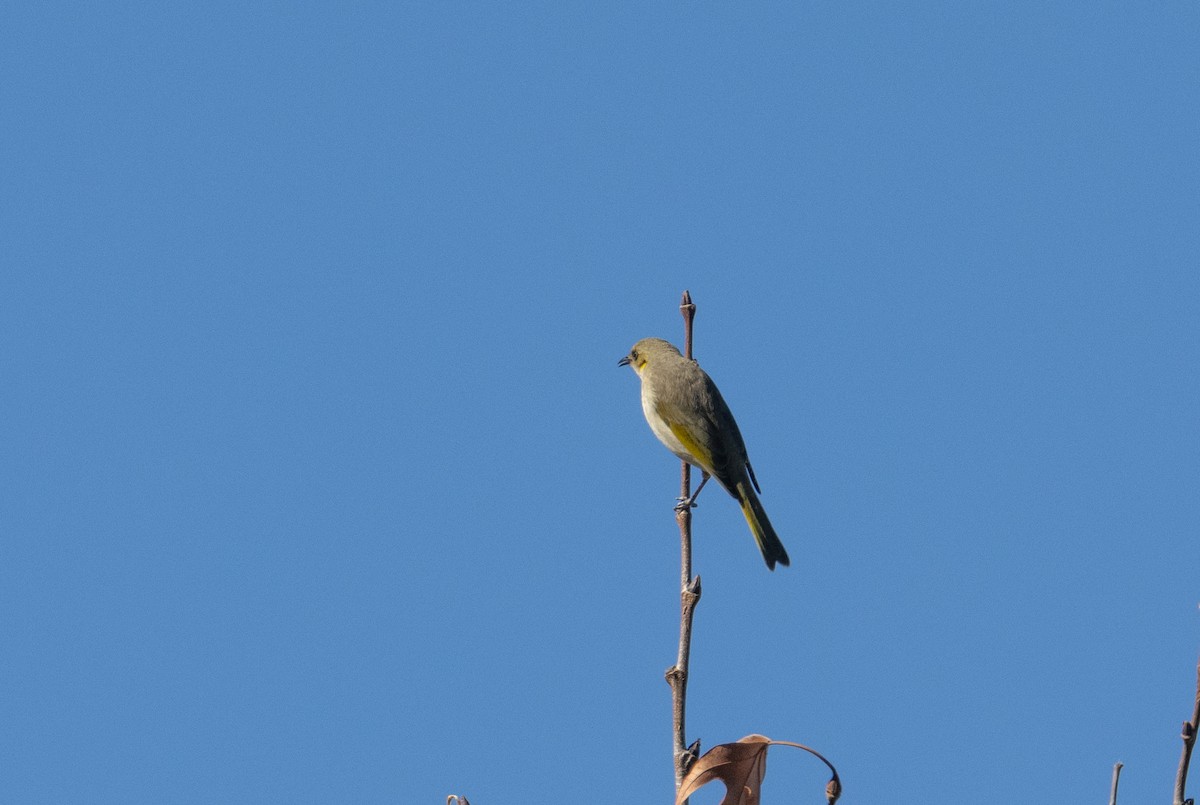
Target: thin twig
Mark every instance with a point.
(1189, 740)
(677, 675)
(1112, 798)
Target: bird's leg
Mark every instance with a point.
(690, 503)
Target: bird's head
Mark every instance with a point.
(646, 352)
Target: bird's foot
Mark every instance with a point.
(683, 504)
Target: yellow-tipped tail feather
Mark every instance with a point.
(764, 534)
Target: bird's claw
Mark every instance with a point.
(683, 504)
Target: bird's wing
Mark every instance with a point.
(695, 417)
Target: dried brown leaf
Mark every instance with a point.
(740, 766)
(833, 790)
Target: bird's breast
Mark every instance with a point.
(661, 428)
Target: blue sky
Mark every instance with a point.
(322, 484)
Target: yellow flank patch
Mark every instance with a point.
(693, 446)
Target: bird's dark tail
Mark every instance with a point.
(764, 534)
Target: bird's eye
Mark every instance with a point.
(633, 354)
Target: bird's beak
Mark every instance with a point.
(624, 361)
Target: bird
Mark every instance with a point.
(690, 417)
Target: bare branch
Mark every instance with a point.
(677, 675)
(1112, 798)
(1188, 734)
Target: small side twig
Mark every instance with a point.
(1112, 798)
(677, 675)
(1188, 734)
